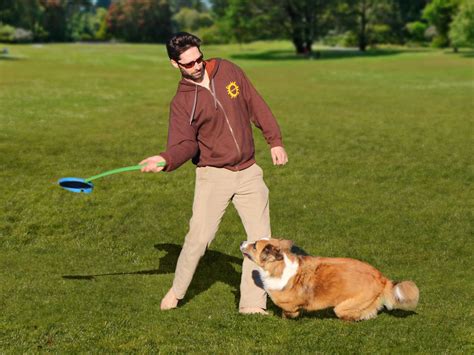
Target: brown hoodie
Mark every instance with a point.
(212, 127)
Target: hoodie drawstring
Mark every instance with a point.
(213, 91)
(194, 105)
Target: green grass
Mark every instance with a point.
(381, 169)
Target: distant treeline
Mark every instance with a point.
(360, 23)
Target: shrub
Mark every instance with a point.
(22, 36)
(15, 35)
(380, 33)
(417, 31)
(192, 20)
(7, 33)
(214, 35)
(350, 39)
(334, 38)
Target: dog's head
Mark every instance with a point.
(266, 251)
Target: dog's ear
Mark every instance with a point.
(271, 253)
(286, 244)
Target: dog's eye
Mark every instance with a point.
(254, 246)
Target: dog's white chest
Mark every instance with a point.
(271, 283)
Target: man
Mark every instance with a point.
(210, 123)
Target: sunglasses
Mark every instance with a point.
(191, 64)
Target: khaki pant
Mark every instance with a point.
(215, 188)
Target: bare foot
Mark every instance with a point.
(169, 301)
(253, 310)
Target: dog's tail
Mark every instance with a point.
(401, 295)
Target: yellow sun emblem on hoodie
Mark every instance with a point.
(233, 89)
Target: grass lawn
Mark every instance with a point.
(381, 169)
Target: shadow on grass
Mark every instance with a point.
(9, 57)
(321, 54)
(399, 313)
(213, 267)
(463, 53)
(328, 313)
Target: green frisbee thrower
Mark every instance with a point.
(86, 186)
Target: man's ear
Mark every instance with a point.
(271, 253)
(174, 63)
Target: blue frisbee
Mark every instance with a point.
(76, 185)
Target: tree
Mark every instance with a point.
(191, 20)
(140, 20)
(410, 10)
(403, 13)
(368, 20)
(300, 20)
(250, 20)
(55, 19)
(26, 14)
(440, 13)
(219, 7)
(87, 24)
(303, 17)
(461, 32)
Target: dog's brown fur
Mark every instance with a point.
(355, 289)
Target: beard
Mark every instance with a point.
(196, 76)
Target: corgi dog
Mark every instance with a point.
(356, 290)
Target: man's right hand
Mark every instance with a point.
(150, 164)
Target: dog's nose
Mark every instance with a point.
(243, 245)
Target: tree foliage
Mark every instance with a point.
(461, 31)
(440, 13)
(140, 20)
(370, 21)
(25, 14)
(191, 20)
(250, 20)
(177, 5)
(103, 3)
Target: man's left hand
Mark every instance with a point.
(279, 156)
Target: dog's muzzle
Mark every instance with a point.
(243, 245)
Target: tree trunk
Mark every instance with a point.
(363, 28)
(301, 27)
(309, 28)
(298, 43)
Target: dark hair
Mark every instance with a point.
(180, 42)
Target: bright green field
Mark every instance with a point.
(381, 169)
